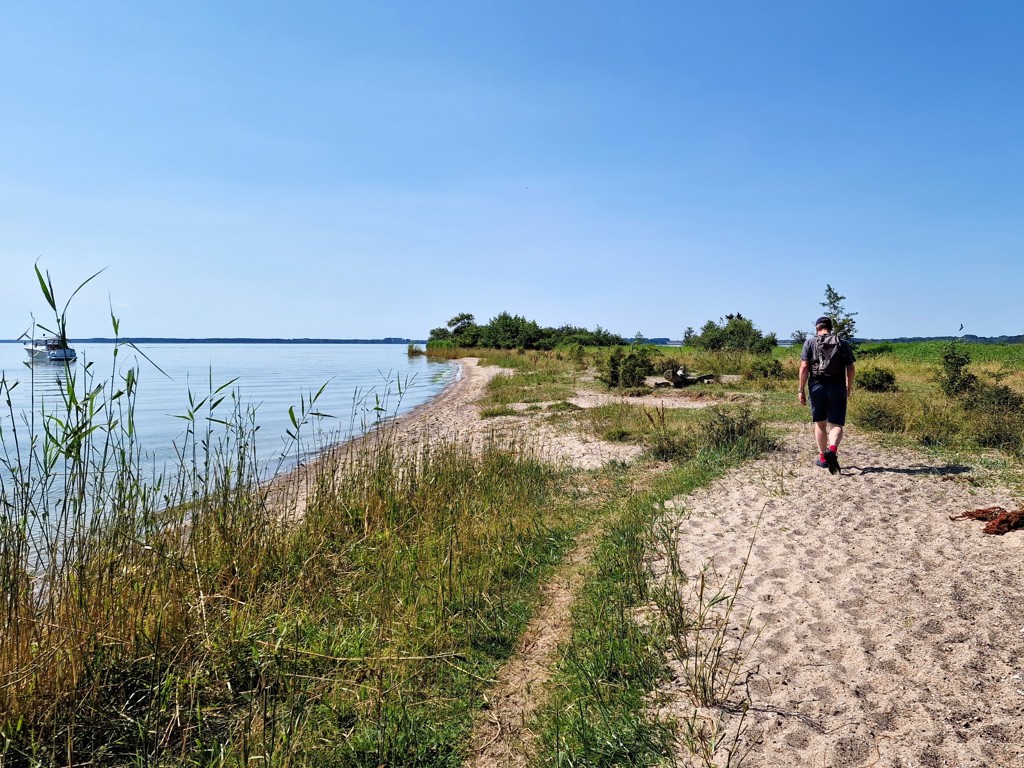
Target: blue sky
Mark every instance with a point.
(372, 169)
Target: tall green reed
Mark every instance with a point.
(108, 572)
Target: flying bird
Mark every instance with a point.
(961, 327)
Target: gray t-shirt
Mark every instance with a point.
(845, 352)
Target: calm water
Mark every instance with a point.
(272, 377)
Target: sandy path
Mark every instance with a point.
(500, 737)
(891, 636)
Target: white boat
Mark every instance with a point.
(51, 351)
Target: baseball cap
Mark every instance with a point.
(823, 320)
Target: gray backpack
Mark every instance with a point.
(829, 361)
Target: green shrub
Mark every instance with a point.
(766, 368)
(877, 380)
(670, 363)
(883, 414)
(736, 332)
(637, 365)
(576, 353)
(628, 366)
(734, 429)
(997, 429)
(508, 331)
(983, 396)
(954, 378)
(612, 367)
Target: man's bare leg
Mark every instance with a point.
(821, 435)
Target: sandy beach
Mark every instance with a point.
(890, 635)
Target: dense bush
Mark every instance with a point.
(954, 378)
(883, 414)
(983, 396)
(877, 380)
(997, 429)
(735, 333)
(507, 331)
(993, 413)
(766, 368)
(628, 366)
(612, 368)
(734, 429)
(575, 352)
(941, 422)
(637, 365)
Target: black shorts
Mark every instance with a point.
(828, 402)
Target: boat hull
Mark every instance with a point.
(40, 353)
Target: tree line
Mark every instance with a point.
(508, 331)
(734, 332)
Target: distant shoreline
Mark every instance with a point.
(969, 339)
(228, 340)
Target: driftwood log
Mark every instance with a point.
(682, 378)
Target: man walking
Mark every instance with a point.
(827, 363)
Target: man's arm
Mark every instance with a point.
(805, 372)
(850, 371)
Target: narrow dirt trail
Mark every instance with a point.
(891, 636)
(501, 738)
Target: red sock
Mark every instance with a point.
(834, 448)
(821, 457)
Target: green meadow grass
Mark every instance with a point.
(931, 352)
(529, 387)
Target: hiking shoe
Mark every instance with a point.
(832, 462)
(820, 463)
